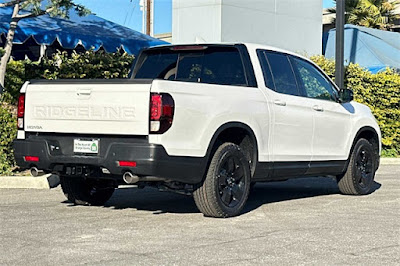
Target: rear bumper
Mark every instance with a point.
(56, 155)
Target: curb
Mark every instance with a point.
(390, 161)
(29, 182)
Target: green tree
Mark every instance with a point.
(378, 14)
(26, 9)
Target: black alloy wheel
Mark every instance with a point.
(364, 168)
(226, 187)
(231, 181)
(359, 176)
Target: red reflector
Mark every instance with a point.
(31, 159)
(156, 107)
(21, 105)
(126, 164)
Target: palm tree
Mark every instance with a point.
(378, 14)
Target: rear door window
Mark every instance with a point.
(282, 73)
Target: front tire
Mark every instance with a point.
(86, 191)
(359, 176)
(225, 190)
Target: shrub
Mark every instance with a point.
(380, 92)
(8, 132)
(15, 78)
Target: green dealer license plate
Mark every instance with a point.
(86, 146)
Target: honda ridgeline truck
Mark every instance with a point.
(205, 120)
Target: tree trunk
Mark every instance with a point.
(8, 46)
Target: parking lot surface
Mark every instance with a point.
(303, 221)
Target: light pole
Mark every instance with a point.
(340, 19)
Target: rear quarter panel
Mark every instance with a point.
(200, 109)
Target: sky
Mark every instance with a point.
(127, 12)
(328, 3)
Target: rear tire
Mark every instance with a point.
(359, 176)
(225, 190)
(86, 191)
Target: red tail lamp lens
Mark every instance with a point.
(126, 164)
(21, 105)
(31, 159)
(156, 107)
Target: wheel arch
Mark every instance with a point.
(238, 133)
(370, 134)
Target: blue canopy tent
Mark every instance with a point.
(370, 48)
(88, 31)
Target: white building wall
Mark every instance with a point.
(196, 20)
(295, 25)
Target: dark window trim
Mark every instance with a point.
(262, 56)
(248, 66)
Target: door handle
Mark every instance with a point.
(318, 108)
(280, 103)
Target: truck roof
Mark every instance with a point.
(250, 46)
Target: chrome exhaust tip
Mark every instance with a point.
(130, 178)
(36, 172)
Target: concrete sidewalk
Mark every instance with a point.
(390, 161)
(51, 181)
(29, 182)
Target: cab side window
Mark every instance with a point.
(281, 73)
(315, 84)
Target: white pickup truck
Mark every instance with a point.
(206, 120)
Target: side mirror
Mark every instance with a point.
(346, 95)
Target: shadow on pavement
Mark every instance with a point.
(150, 199)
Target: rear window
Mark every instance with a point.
(214, 65)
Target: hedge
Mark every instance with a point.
(88, 65)
(8, 131)
(381, 92)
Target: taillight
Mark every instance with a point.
(162, 109)
(21, 111)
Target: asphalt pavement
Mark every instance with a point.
(300, 222)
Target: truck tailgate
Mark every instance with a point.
(88, 107)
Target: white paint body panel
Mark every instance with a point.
(200, 109)
(88, 108)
